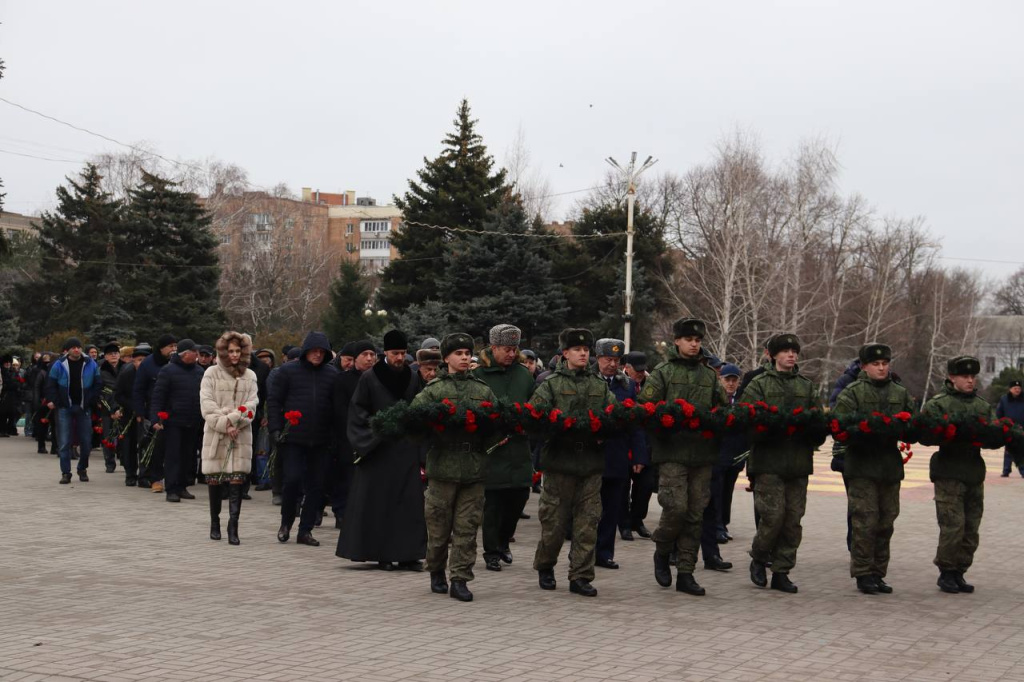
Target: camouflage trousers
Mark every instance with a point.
(683, 493)
(453, 510)
(565, 497)
(959, 507)
(873, 508)
(780, 503)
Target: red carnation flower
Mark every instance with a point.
(519, 428)
(97, 429)
(842, 437)
(162, 416)
(863, 426)
(834, 426)
(950, 431)
(902, 416)
(730, 420)
(798, 410)
(553, 415)
(760, 428)
(486, 403)
(650, 407)
(609, 409)
(667, 420)
(707, 434)
(568, 423)
(471, 427)
(694, 423)
(242, 409)
(249, 415)
(44, 420)
(790, 430)
(773, 409)
(629, 402)
(536, 477)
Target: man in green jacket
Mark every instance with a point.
(958, 472)
(508, 472)
(779, 466)
(572, 466)
(873, 468)
(684, 460)
(454, 501)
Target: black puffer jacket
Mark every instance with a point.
(123, 389)
(177, 393)
(301, 386)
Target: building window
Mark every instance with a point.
(225, 238)
(375, 226)
(350, 247)
(289, 223)
(259, 221)
(348, 228)
(990, 365)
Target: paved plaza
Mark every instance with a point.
(103, 582)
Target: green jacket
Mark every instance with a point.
(511, 465)
(786, 457)
(957, 461)
(696, 383)
(457, 457)
(878, 458)
(573, 391)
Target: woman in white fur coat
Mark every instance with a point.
(228, 400)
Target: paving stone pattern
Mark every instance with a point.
(103, 582)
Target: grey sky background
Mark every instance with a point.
(924, 100)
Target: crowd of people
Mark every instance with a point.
(228, 416)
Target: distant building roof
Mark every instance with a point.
(364, 212)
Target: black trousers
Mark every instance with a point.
(339, 479)
(128, 449)
(305, 468)
(730, 475)
(154, 471)
(502, 507)
(636, 499)
(613, 491)
(709, 524)
(180, 444)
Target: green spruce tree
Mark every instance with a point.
(111, 322)
(346, 319)
(459, 188)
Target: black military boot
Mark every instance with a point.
(883, 587)
(947, 583)
(546, 579)
(234, 509)
(867, 584)
(686, 583)
(782, 583)
(214, 512)
(758, 576)
(958, 577)
(460, 591)
(438, 583)
(662, 569)
(582, 587)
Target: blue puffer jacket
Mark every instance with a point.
(145, 380)
(58, 383)
(618, 449)
(177, 392)
(301, 386)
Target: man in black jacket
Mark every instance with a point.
(177, 393)
(145, 380)
(363, 355)
(128, 444)
(305, 386)
(110, 367)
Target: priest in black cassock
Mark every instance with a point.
(383, 519)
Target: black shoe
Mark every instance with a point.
(246, 496)
(83, 477)
(415, 566)
(460, 591)
(947, 583)
(283, 533)
(641, 530)
(263, 487)
(782, 583)
(582, 587)
(757, 573)
(662, 569)
(626, 534)
(958, 577)
(524, 515)
(173, 497)
(686, 583)
(109, 468)
(867, 584)
(1005, 474)
(131, 482)
(144, 483)
(606, 563)
(276, 500)
(546, 579)
(41, 450)
(492, 564)
(65, 479)
(716, 563)
(185, 494)
(385, 566)
(307, 539)
(505, 555)
(438, 584)
(883, 587)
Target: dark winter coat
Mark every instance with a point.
(261, 371)
(58, 383)
(299, 386)
(785, 457)
(344, 388)
(177, 392)
(109, 374)
(849, 375)
(879, 458)
(957, 461)
(734, 443)
(511, 465)
(624, 450)
(145, 380)
(39, 384)
(124, 388)
(1011, 407)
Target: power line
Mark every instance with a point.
(983, 260)
(41, 158)
(535, 235)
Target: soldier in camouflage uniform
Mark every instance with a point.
(873, 469)
(454, 503)
(958, 473)
(572, 465)
(780, 466)
(684, 460)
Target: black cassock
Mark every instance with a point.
(384, 514)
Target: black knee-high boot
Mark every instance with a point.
(214, 511)
(234, 509)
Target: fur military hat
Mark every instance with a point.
(1015, 382)
(609, 348)
(395, 340)
(456, 341)
(636, 360)
(688, 326)
(505, 335)
(781, 342)
(874, 351)
(112, 347)
(428, 356)
(963, 365)
(570, 338)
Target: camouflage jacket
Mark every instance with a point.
(785, 457)
(877, 458)
(573, 391)
(957, 461)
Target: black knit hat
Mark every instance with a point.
(689, 326)
(346, 350)
(166, 340)
(112, 347)
(395, 340)
(454, 342)
(963, 365)
(73, 342)
(570, 338)
(781, 342)
(185, 345)
(636, 359)
(360, 347)
(874, 351)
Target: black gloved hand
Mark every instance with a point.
(275, 436)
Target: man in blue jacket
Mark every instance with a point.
(176, 392)
(72, 387)
(1011, 405)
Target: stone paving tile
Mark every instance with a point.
(113, 583)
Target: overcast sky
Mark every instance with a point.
(924, 100)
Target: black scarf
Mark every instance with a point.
(397, 383)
